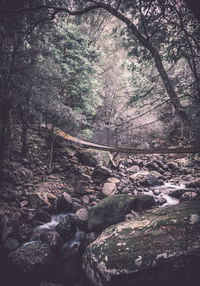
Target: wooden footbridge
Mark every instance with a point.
(90, 145)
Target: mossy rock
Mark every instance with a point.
(113, 209)
(92, 157)
(157, 248)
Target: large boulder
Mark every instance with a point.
(159, 248)
(26, 258)
(113, 209)
(146, 178)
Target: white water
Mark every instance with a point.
(55, 219)
(165, 190)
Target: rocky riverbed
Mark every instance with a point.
(99, 218)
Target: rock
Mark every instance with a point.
(66, 227)
(86, 158)
(82, 215)
(72, 248)
(133, 169)
(52, 238)
(113, 180)
(154, 249)
(16, 216)
(11, 244)
(194, 184)
(177, 193)
(101, 173)
(36, 201)
(173, 166)
(139, 175)
(44, 283)
(23, 203)
(187, 196)
(85, 199)
(113, 209)
(42, 216)
(24, 232)
(64, 203)
(76, 206)
(6, 227)
(146, 178)
(109, 189)
(26, 258)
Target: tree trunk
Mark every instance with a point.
(145, 42)
(6, 135)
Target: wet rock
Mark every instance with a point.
(72, 248)
(187, 196)
(153, 249)
(109, 189)
(177, 193)
(64, 203)
(114, 208)
(26, 258)
(52, 238)
(66, 227)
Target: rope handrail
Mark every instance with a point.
(89, 145)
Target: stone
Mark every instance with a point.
(113, 209)
(86, 158)
(52, 238)
(44, 283)
(147, 178)
(11, 244)
(26, 258)
(85, 199)
(82, 214)
(36, 200)
(113, 180)
(153, 249)
(133, 169)
(109, 189)
(101, 173)
(64, 203)
(66, 227)
(42, 216)
(187, 196)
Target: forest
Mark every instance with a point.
(99, 142)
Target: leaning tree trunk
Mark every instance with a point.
(145, 42)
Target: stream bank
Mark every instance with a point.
(79, 181)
